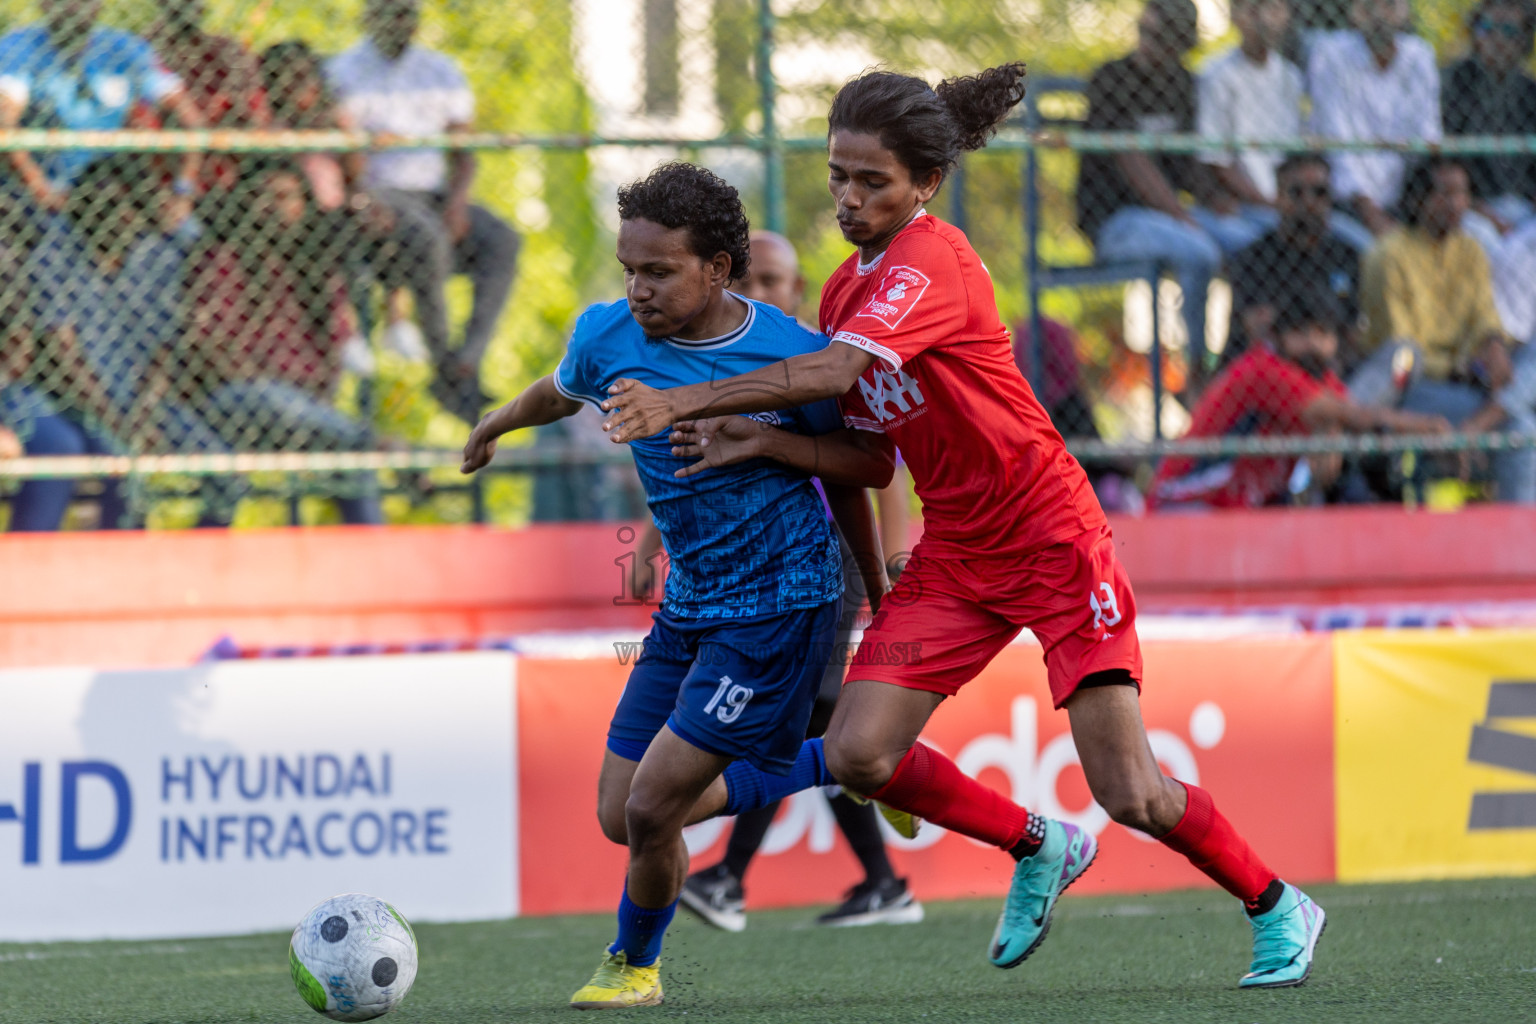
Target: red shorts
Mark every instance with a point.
(948, 617)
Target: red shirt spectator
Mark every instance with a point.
(1262, 394)
(266, 301)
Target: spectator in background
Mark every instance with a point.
(390, 244)
(1489, 93)
(1300, 252)
(69, 72)
(29, 424)
(267, 321)
(1250, 92)
(298, 98)
(1253, 93)
(1428, 283)
(390, 85)
(1440, 346)
(220, 78)
(1285, 389)
(106, 303)
(1376, 83)
(1128, 203)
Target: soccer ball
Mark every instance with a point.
(353, 957)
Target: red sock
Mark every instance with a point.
(1213, 845)
(929, 785)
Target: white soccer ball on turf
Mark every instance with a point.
(353, 957)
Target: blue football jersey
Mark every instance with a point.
(747, 540)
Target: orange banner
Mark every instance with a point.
(1250, 720)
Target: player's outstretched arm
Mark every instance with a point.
(638, 410)
(540, 403)
(851, 458)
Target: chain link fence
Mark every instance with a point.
(265, 263)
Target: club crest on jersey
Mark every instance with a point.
(898, 293)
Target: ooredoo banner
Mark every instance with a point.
(230, 797)
(1436, 754)
(1249, 719)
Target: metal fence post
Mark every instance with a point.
(957, 215)
(773, 149)
(1036, 374)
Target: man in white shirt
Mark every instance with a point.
(1253, 93)
(391, 86)
(1376, 83)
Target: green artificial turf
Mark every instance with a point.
(1431, 952)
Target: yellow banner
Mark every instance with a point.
(1436, 754)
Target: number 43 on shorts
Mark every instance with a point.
(730, 700)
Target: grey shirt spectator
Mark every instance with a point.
(388, 84)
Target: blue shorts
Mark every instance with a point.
(739, 688)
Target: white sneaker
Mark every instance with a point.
(357, 356)
(405, 340)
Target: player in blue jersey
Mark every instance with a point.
(735, 654)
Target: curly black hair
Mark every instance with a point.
(679, 195)
(927, 128)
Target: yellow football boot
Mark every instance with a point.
(617, 985)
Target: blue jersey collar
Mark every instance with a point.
(723, 340)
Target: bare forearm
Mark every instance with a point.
(799, 380)
(855, 517)
(1236, 181)
(30, 173)
(541, 403)
(833, 458)
(1327, 414)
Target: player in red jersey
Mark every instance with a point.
(1013, 535)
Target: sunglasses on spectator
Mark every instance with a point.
(1486, 26)
(1312, 191)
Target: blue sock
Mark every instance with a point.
(641, 930)
(748, 787)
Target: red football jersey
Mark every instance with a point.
(992, 472)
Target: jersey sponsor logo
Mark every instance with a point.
(899, 291)
(882, 389)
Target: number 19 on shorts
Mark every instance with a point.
(729, 700)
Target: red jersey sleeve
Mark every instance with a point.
(918, 300)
